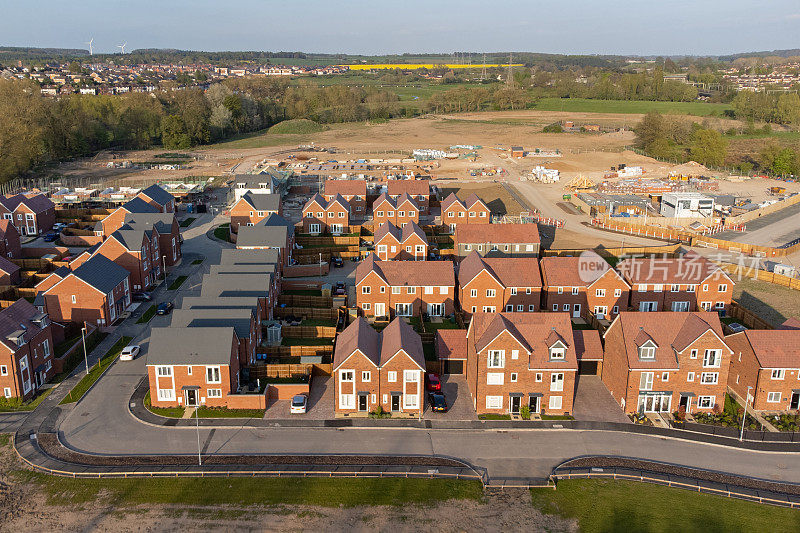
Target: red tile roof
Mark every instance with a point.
(451, 343)
(496, 234)
(566, 271)
(509, 271)
(413, 273)
(775, 348)
(692, 268)
(346, 188)
(587, 345)
(412, 187)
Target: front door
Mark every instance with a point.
(362, 402)
(534, 404)
(795, 402)
(515, 403)
(395, 402)
(686, 403)
(576, 311)
(190, 396)
(380, 309)
(646, 307)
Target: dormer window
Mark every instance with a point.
(558, 351)
(647, 350)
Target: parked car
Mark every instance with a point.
(58, 227)
(337, 262)
(438, 402)
(340, 289)
(164, 308)
(50, 237)
(432, 382)
(129, 352)
(299, 404)
(142, 297)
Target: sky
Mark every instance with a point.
(629, 27)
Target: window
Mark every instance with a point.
(46, 347)
(189, 370)
(74, 300)
(473, 293)
(409, 401)
(395, 290)
(166, 394)
(411, 376)
(520, 308)
(778, 373)
(705, 287)
(366, 306)
(411, 290)
(401, 213)
(647, 351)
(557, 351)
(443, 289)
(600, 293)
(472, 214)
(693, 354)
(474, 308)
(261, 213)
(531, 308)
(646, 381)
(320, 214)
(213, 375)
(722, 288)
(538, 377)
(3, 370)
(251, 213)
(513, 291)
(366, 376)
(773, 397)
(451, 214)
(391, 376)
(574, 290)
(528, 247)
(428, 290)
(408, 249)
(163, 371)
(461, 214)
(615, 309)
(560, 290)
(691, 288)
(527, 290)
(657, 287)
(214, 393)
(514, 354)
(494, 402)
(712, 358)
(379, 214)
(720, 305)
(341, 214)
(383, 290)
(557, 381)
(675, 288)
(490, 293)
(7, 392)
(555, 307)
(690, 377)
(513, 377)
(494, 378)
(496, 359)
(643, 288)
(389, 213)
(555, 402)
(665, 376)
(705, 402)
(509, 308)
(617, 293)
(709, 378)
(566, 307)
(365, 289)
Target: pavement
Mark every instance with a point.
(594, 402)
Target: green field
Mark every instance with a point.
(585, 105)
(628, 506)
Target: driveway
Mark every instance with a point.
(594, 402)
(320, 403)
(459, 400)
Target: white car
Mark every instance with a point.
(129, 353)
(299, 404)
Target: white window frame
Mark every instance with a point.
(366, 376)
(705, 402)
(495, 378)
(213, 374)
(555, 402)
(778, 374)
(771, 398)
(690, 377)
(709, 378)
(494, 402)
(214, 393)
(600, 293)
(496, 359)
(391, 376)
(557, 382)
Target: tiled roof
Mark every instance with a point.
(692, 268)
(195, 346)
(258, 235)
(7, 266)
(263, 202)
(790, 323)
(324, 204)
(450, 200)
(248, 257)
(412, 187)
(17, 320)
(451, 343)
(509, 271)
(38, 203)
(565, 271)
(161, 221)
(101, 273)
(412, 273)
(346, 187)
(399, 335)
(137, 205)
(776, 348)
(357, 336)
(587, 344)
(158, 194)
(239, 319)
(496, 234)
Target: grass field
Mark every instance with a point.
(585, 105)
(177, 283)
(771, 302)
(147, 315)
(8, 405)
(299, 126)
(96, 371)
(186, 223)
(628, 506)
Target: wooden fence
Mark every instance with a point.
(761, 275)
(265, 371)
(745, 248)
(757, 213)
(313, 313)
(297, 351)
(309, 332)
(668, 249)
(291, 284)
(747, 317)
(327, 240)
(298, 300)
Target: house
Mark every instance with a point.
(254, 184)
(688, 283)
(9, 272)
(472, 211)
(321, 215)
(663, 362)
(26, 350)
(169, 234)
(251, 209)
(192, 366)
(766, 365)
(583, 286)
(354, 191)
(418, 190)
(398, 211)
(246, 324)
(238, 285)
(451, 350)
(497, 240)
(30, 214)
(137, 251)
(116, 219)
(404, 288)
(521, 359)
(10, 246)
(374, 370)
(270, 271)
(489, 284)
(272, 233)
(409, 243)
(96, 292)
(158, 197)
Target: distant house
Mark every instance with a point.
(472, 211)
(321, 216)
(601, 292)
(158, 197)
(418, 190)
(392, 243)
(26, 350)
(399, 212)
(246, 324)
(497, 240)
(10, 246)
(254, 184)
(354, 191)
(251, 209)
(492, 284)
(30, 214)
(116, 219)
(272, 233)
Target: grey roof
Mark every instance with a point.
(263, 202)
(196, 346)
(276, 220)
(137, 205)
(249, 257)
(101, 273)
(242, 269)
(253, 181)
(239, 319)
(235, 285)
(7, 266)
(272, 236)
(205, 302)
(130, 238)
(161, 221)
(17, 320)
(158, 194)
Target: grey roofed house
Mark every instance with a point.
(158, 194)
(206, 302)
(263, 202)
(239, 319)
(249, 257)
(20, 320)
(242, 269)
(276, 220)
(137, 205)
(190, 346)
(236, 285)
(262, 236)
(253, 181)
(38, 203)
(7, 266)
(161, 221)
(101, 273)
(131, 238)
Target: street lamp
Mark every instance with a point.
(744, 416)
(85, 355)
(164, 267)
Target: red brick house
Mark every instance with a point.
(404, 288)
(10, 246)
(516, 359)
(32, 214)
(497, 240)
(273, 233)
(767, 361)
(472, 211)
(169, 234)
(26, 350)
(385, 370)
(158, 197)
(246, 324)
(688, 283)
(491, 284)
(116, 219)
(571, 288)
(661, 362)
(398, 211)
(251, 209)
(96, 292)
(418, 190)
(9, 272)
(321, 216)
(354, 191)
(409, 243)
(192, 366)
(138, 252)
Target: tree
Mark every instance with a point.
(22, 118)
(174, 134)
(708, 147)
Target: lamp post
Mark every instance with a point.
(744, 416)
(197, 421)
(85, 355)
(320, 263)
(164, 267)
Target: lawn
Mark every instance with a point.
(77, 356)
(223, 232)
(168, 412)
(628, 506)
(586, 105)
(302, 292)
(324, 322)
(446, 323)
(491, 416)
(188, 222)
(147, 315)
(197, 261)
(8, 405)
(771, 302)
(212, 412)
(177, 283)
(96, 371)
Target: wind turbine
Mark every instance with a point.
(122, 46)
(89, 42)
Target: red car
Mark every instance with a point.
(432, 382)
